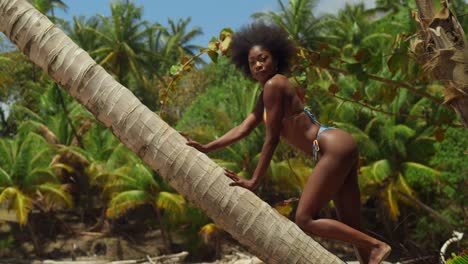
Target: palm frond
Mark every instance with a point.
(391, 199)
(38, 176)
(18, 202)
(377, 172)
(56, 195)
(5, 179)
(121, 203)
(26, 152)
(7, 154)
(283, 178)
(419, 174)
(209, 232)
(28, 112)
(63, 166)
(173, 204)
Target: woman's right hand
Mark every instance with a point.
(200, 147)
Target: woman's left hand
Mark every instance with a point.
(239, 181)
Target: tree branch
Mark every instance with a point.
(379, 110)
(393, 83)
(428, 209)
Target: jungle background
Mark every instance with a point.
(68, 188)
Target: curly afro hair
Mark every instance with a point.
(270, 37)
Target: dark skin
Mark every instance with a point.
(334, 176)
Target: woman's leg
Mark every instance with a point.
(326, 180)
(348, 208)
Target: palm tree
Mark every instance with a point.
(178, 36)
(389, 5)
(62, 123)
(27, 179)
(297, 18)
(58, 118)
(121, 41)
(45, 6)
(133, 185)
(81, 35)
(354, 28)
(48, 6)
(167, 46)
(189, 172)
(396, 150)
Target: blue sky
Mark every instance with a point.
(210, 15)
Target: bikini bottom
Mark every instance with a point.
(315, 144)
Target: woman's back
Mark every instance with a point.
(297, 128)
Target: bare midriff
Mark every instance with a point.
(299, 131)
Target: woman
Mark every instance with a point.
(263, 52)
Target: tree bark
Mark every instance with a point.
(442, 50)
(266, 233)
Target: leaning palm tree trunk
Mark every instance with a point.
(265, 232)
(442, 50)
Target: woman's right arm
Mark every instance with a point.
(235, 134)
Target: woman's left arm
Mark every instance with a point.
(273, 101)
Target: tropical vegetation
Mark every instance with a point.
(355, 68)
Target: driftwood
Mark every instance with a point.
(442, 50)
(165, 259)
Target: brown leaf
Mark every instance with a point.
(439, 134)
(333, 88)
(357, 95)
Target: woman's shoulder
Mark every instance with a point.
(278, 81)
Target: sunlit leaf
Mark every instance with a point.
(392, 202)
(225, 33)
(125, 201)
(213, 55)
(209, 232)
(284, 210)
(172, 203)
(176, 69)
(213, 44)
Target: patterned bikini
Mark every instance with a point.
(315, 144)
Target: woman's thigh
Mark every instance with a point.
(323, 184)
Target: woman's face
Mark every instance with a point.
(262, 64)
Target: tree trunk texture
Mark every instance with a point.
(442, 50)
(266, 233)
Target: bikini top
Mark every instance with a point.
(306, 110)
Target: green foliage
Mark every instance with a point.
(121, 40)
(462, 259)
(80, 34)
(451, 160)
(354, 67)
(7, 243)
(228, 99)
(297, 19)
(47, 7)
(26, 177)
(224, 97)
(460, 9)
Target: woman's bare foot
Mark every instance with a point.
(379, 253)
(362, 255)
